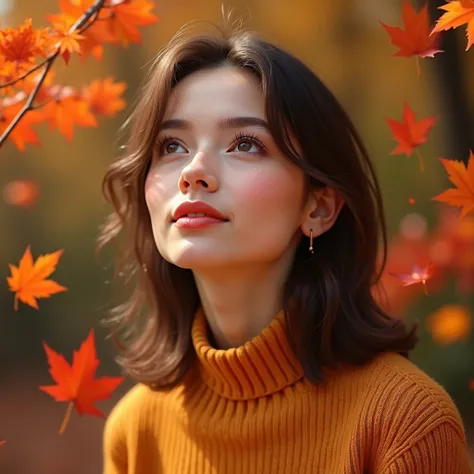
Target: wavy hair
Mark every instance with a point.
(333, 317)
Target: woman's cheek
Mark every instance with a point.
(264, 188)
(153, 190)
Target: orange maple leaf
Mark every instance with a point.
(67, 110)
(409, 133)
(22, 45)
(76, 383)
(417, 275)
(28, 279)
(463, 178)
(66, 40)
(126, 15)
(22, 133)
(457, 13)
(96, 34)
(415, 40)
(103, 96)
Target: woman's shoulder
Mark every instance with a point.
(139, 401)
(398, 392)
(402, 375)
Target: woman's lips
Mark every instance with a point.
(197, 222)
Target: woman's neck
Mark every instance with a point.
(239, 304)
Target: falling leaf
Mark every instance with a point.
(409, 133)
(76, 383)
(415, 40)
(103, 96)
(417, 275)
(450, 323)
(457, 13)
(463, 178)
(411, 201)
(2, 442)
(22, 193)
(28, 279)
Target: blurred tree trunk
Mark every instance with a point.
(451, 70)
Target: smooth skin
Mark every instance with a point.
(239, 266)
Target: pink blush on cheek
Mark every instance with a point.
(153, 189)
(260, 185)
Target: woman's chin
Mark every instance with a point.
(195, 259)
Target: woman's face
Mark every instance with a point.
(246, 179)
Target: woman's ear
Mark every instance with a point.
(322, 210)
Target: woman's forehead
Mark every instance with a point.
(216, 93)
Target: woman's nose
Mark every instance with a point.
(198, 174)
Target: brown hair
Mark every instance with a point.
(333, 317)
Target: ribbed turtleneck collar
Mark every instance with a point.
(262, 366)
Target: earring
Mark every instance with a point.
(311, 241)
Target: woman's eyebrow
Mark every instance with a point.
(225, 123)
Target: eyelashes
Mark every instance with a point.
(239, 137)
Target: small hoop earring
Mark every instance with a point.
(311, 241)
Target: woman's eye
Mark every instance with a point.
(170, 147)
(247, 146)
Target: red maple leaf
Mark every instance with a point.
(76, 383)
(409, 133)
(415, 40)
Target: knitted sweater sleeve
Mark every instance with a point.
(114, 446)
(115, 434)
(441, 451)
(420, 427)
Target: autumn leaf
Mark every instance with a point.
(2, 442)
(457, 13)
(96, 34)
(127, 15)
(103, 96)
(21, 45)
(75, 383)
(450, 323)
(415, 39)
(22, 133)
(28, 279)
(463, 178)
(409, 133)
(417, 275)
(68, 110)
(66, 40)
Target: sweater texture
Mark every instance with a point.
(250, 410)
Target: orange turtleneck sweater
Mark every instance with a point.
(249, 410)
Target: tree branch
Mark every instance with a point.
(26, 74)
(81, 22)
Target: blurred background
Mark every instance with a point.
(344, 43)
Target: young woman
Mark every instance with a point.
(252, 221)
